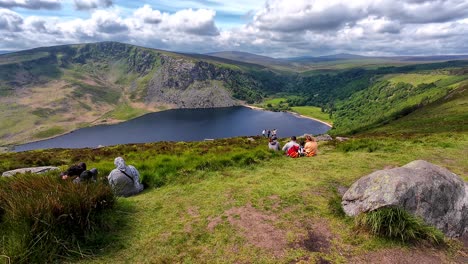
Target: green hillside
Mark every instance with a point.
(391, 98)
(233, 201)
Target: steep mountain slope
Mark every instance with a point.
(448, 114)
(394, 96)
(47, 91)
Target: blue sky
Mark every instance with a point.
(278, 28)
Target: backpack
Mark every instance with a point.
(293, 152)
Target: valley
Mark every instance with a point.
(49, 91)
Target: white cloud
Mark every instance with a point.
(31, 4)
(148, 15)
(92, 4)
(197, 22)
(10, 21)
(281, 28)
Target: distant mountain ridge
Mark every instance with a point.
(265, 60)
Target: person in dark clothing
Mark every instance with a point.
(87, 176)
(73, 171)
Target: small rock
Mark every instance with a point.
(37, 170)
(251, 139)
(341, 139)
(324, 137)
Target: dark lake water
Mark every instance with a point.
(184, 125)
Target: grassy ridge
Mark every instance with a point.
(386, 101)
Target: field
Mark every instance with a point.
(416, 79)
(281, 104)
(312, 111)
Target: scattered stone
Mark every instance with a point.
(324, 137)
(251, 139)
(341, 139)
(37, 170)
(433, 193)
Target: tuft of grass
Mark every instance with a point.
(44, 219)
(396, 223)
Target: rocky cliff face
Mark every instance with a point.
(189, 84)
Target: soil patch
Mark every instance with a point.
(318, 237)
(257, 227)
(400, 256)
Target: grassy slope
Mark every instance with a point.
(231, 214)
(447, 114)
(171, 224)
(293, 197)
(392, 97)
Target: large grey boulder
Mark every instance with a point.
(433, 193)
(36, 170)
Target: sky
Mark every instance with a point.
(276, 28)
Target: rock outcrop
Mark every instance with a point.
(36, 170)
(433, 193)
(189, 84)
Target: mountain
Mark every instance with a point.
(334, 57)
(245, 57)
(52, 90)
(5, 51)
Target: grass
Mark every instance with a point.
(50, 132)
(186, 218)
(44, 219)
(312, 111)
(125, 112)
(178, 231)
(416, 79)
(274, 101)
(398, 224)
(449, 114)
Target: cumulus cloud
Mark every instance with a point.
(10, 21)
(197, 22)
(31, 4)
(280, 28)
(92, 4)
(148, 15)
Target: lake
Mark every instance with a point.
(184, 125)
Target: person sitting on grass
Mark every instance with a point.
(73, 171)
(87, 176)
(124, 180)
(273, 144)
(311, 146)
(292, 148)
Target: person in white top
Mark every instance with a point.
(124, 180)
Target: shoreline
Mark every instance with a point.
(293, 113)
